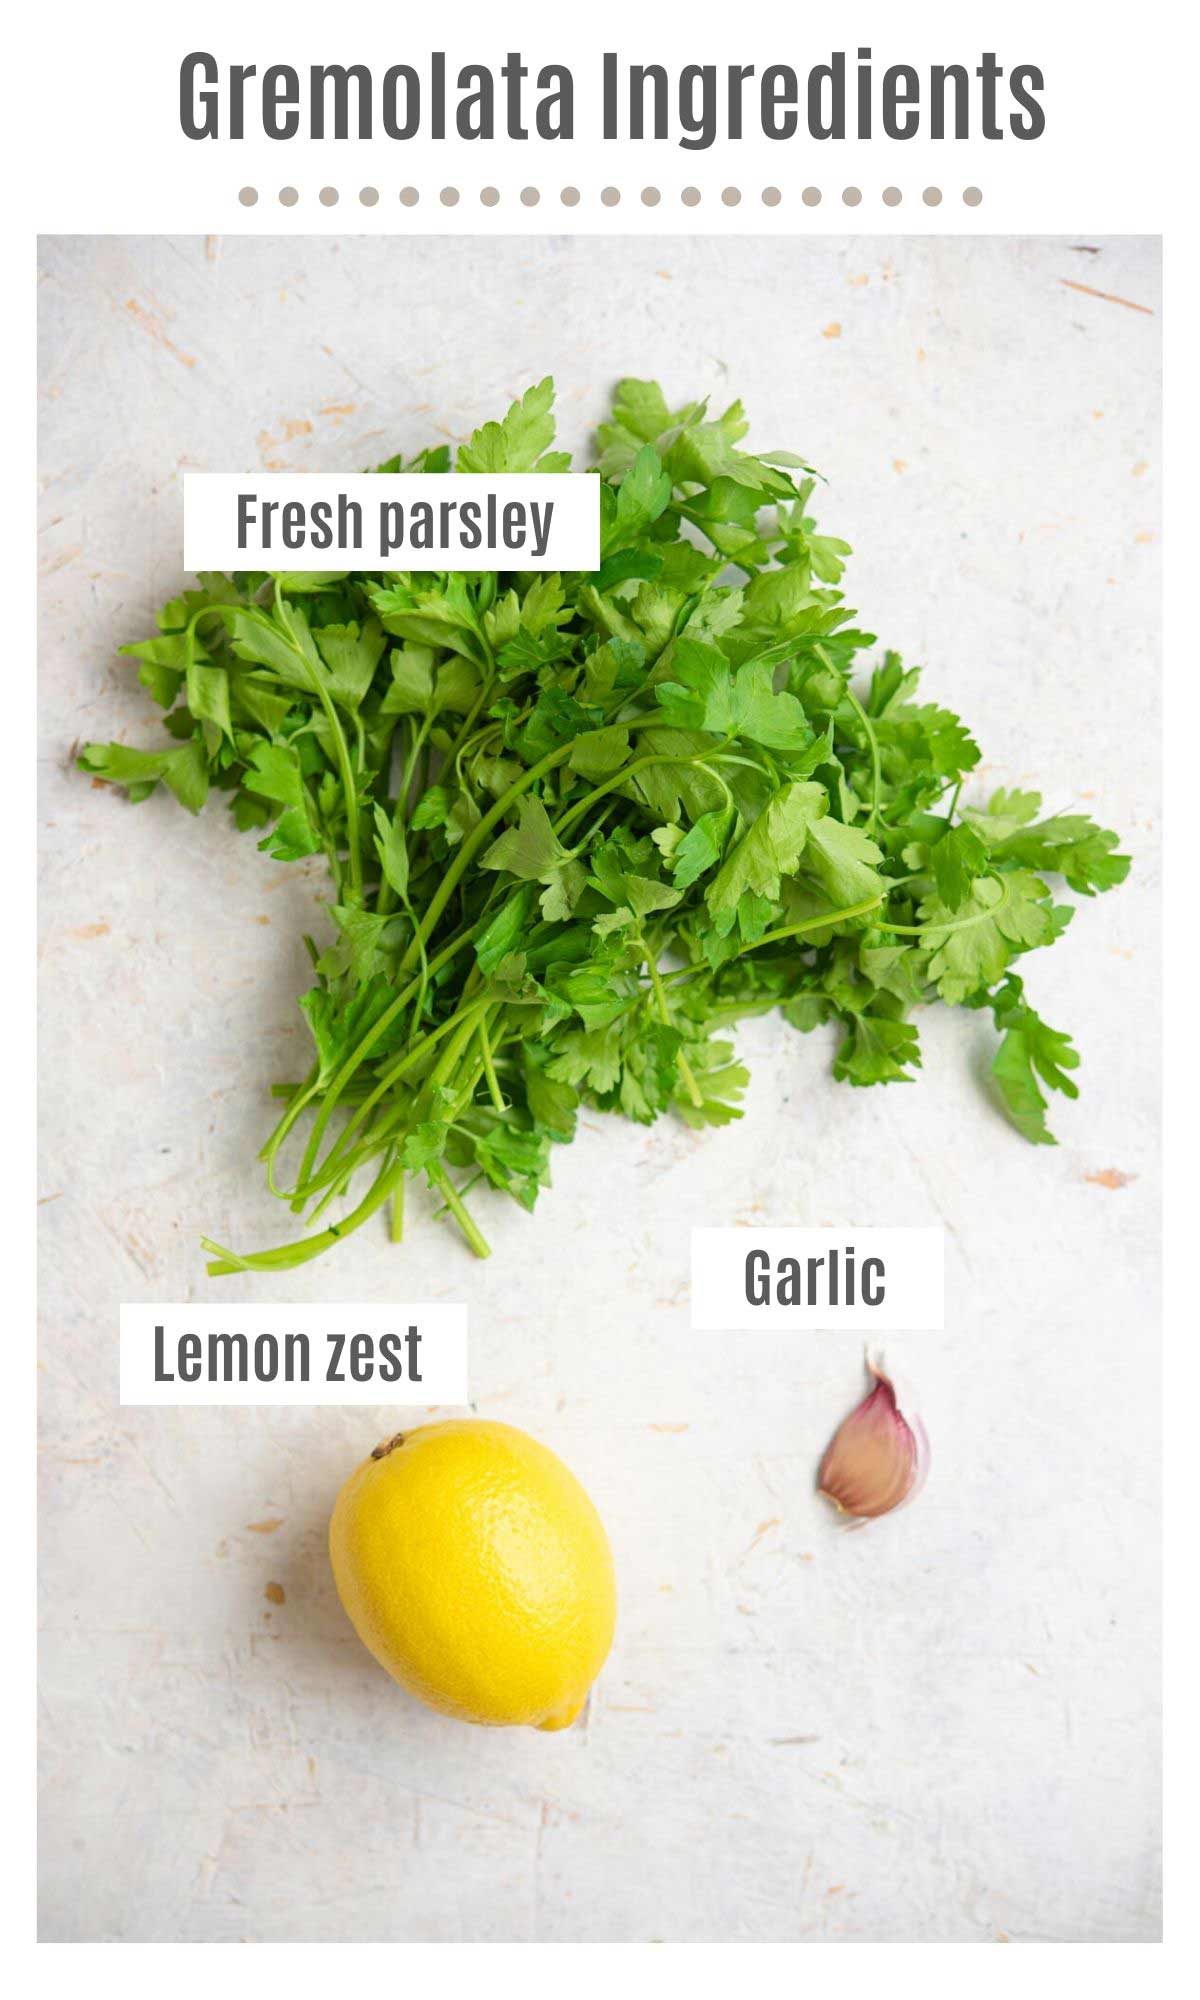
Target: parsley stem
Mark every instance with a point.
(463, 1020)
(286, 1256)
(340, 749)
(747, 763)
(472, 844)
(473, 744)
(585, 840)
(873, 743)
(362, 1050)
(664, 1015)
(441, 1180)
(383, 1135)
(381, 1139)
(619, 778)
(269, 1152)
(489, 1069)
(410, 765)
(486, 683)
(815, 923)
(941, 930)
(385, 898)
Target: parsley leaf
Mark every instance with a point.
(1067, 844)
(1000, 916)
(1030, 1052)
(521, 442)
(770, 850)
(706, 693)
(877, 1049)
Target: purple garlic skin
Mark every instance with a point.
(877, 1458)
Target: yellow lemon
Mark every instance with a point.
(474, 1567)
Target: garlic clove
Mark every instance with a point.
(878, 1458)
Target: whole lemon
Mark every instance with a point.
(474, 1567)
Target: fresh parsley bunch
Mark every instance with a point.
(576, 826)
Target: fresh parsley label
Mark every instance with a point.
(428, 521)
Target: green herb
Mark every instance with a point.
(576, 826)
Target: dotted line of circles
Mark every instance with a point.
(570, 197)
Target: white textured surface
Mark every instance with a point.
(943, 1728)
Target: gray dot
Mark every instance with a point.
(368, 196)
(931, 197)
(851, 197)
(771, 197)
(248, 197)
(610, 197)
(489, 196)
(328, 197)
(651, 197)
(811, 197)
(892, 197)
(731, 196)
(409, 197)
(530, 197)
(449, 197)
(690, 197)
(972, 197)
(288, 197)
(569, 197)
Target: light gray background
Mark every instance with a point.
(941, 1728)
